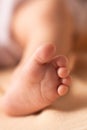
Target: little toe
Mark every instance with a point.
(63, 72)
(63, 90)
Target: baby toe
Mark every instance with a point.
(67, 81)
(62, 61)
(63, 72)
(63, 90)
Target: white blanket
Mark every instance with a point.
(10, 52)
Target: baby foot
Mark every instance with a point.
(42, 80)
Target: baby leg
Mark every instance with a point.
(43, 75)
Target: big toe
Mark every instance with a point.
(45, 53)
